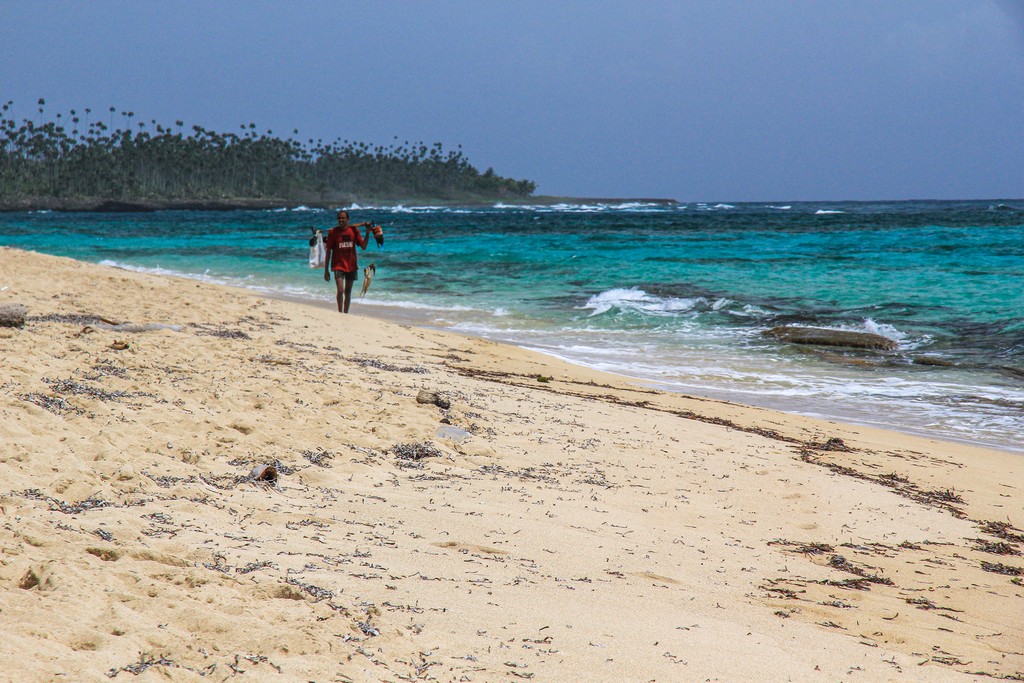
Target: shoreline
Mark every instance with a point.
(99, 205)
(852, 414)
(449, 505)
(96, 205)
(395, 315)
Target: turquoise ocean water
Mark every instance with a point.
(675, 295)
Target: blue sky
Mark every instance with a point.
(722, 100)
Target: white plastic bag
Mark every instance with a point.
(317, 252)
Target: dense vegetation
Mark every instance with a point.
(76, 155)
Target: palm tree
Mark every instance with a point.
(42, 158)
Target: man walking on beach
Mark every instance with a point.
(341, 257)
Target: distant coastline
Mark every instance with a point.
(71, 163)
(98, 205)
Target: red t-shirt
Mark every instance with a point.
(341, 248)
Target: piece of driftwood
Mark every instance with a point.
(12, 315)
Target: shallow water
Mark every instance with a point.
(679, 296)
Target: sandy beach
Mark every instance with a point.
(199, 483)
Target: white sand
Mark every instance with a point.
(585, 529)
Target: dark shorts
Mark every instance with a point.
(347, 275)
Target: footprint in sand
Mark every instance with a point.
(654, 577)
(470, 548)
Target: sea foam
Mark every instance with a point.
(637, 300)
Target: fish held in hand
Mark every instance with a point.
(368, 273)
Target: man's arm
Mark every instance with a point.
(362, 240)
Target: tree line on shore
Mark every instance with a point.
(78, 155)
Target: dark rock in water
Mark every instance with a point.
(821, 337)
(12, 315)
(1013, 372)
(933, 360)
(860, 361)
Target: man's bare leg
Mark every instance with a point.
(348, 292)
(339, 282)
